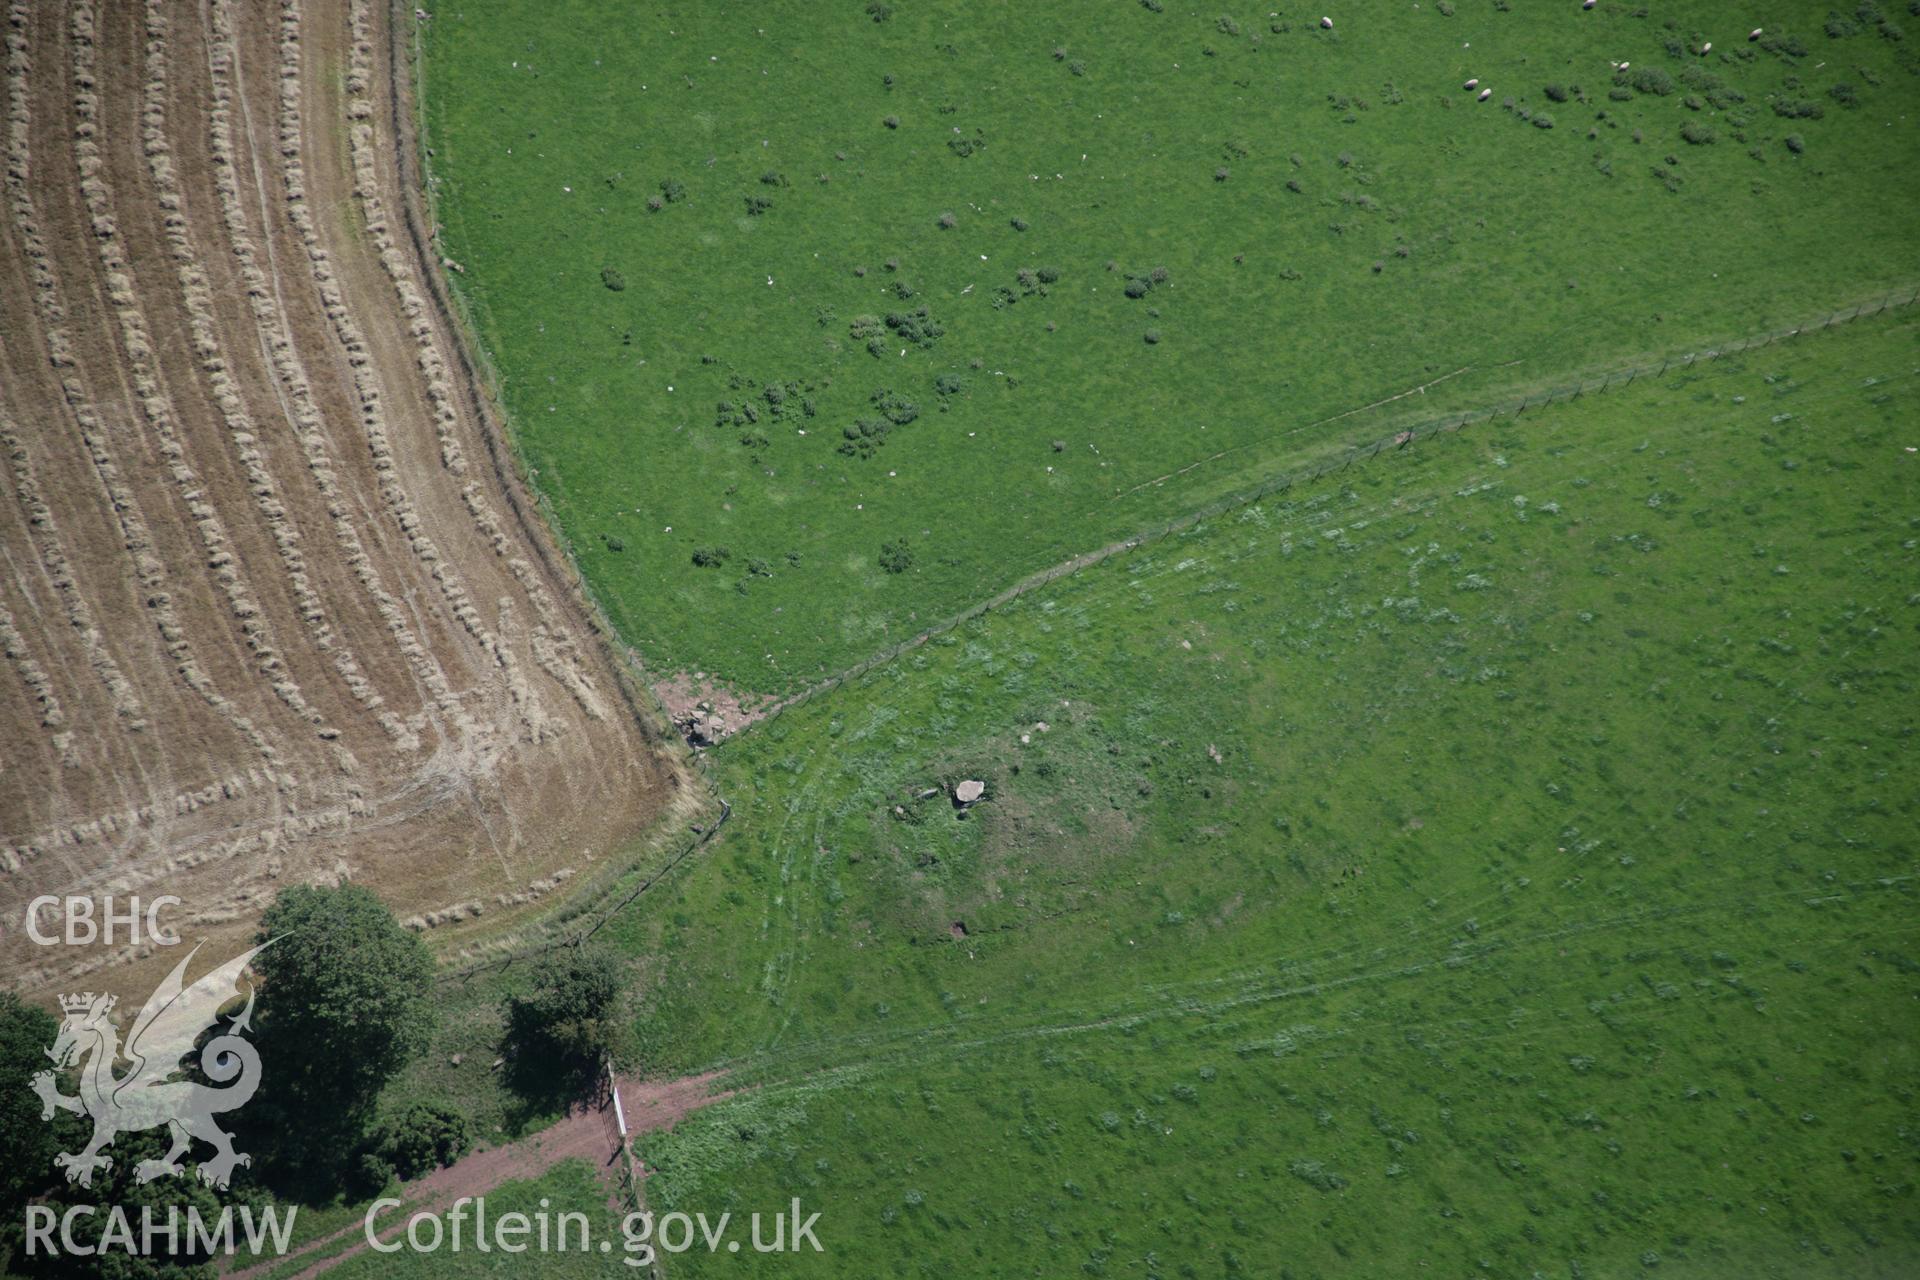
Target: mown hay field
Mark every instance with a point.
(275, 608)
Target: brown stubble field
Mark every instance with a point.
(272, 606)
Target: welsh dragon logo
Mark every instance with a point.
(150, 1092)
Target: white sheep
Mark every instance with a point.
(1472, 84)
(1326, 24)
(1485, 94)
(1756, 33)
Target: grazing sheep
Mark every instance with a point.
(1707, 47)
(1326, 24)
(1485, 94)
(1472, 84)
(1588, 5)
(1756, 33)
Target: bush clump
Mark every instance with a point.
(419, 1140)
(1653, 80)
(917, 327)
(611, 277)
(896, 556)
(672, 190)
(1316, 1175)
(1797, 109)
(864, 438)
(870, 330)
(895, 408)
(711, 557)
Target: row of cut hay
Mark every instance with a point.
(309, 424)
(49, 545)
(229, 573)
(399, 503)
(554, 647)
(149, 571)
(38, 683)
(125, 825)
(225, 391)
(50, 550)
(136, 538)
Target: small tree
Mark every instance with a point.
(565, 1023)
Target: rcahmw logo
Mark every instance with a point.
(150, 1093)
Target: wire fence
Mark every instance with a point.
(1282, 482)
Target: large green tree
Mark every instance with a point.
(26, 1141)
(345, 1002)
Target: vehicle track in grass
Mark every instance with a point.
(1337, 456)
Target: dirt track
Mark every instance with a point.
(271, 609)
(588, 1132)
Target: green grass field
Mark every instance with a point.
(1563, 815)
(1431, 236)
(1495, 858)
(569, 1187)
